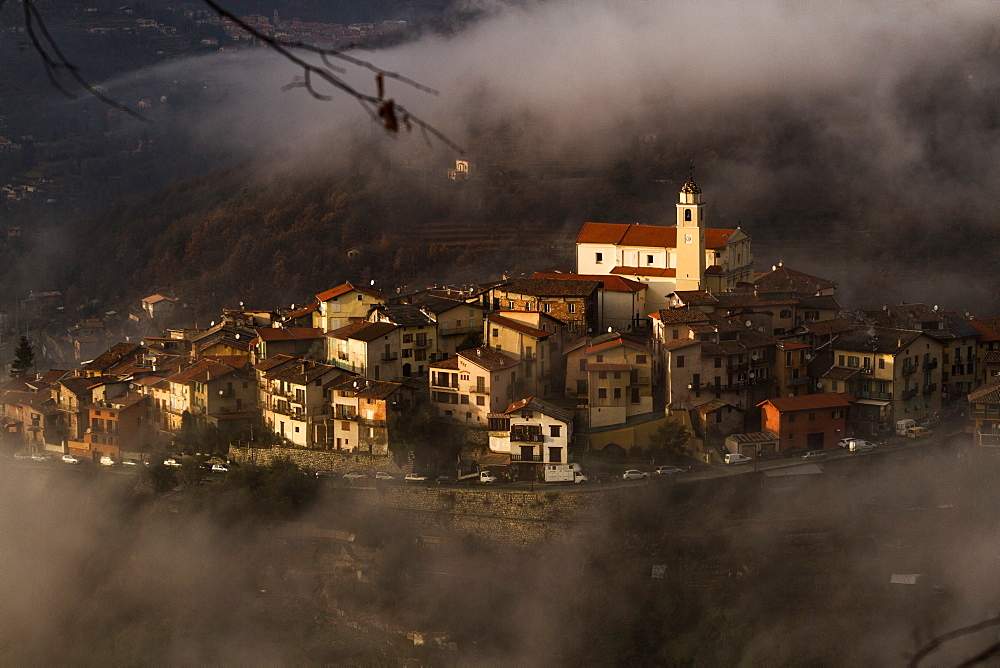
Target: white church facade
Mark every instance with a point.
(687, 256)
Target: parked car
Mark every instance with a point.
(928, 421)
(70, 459)
(737, 458)
(23, 456)
(325, 474)
(354, 475)
(667, 470)
(41, 457)
(446, 479)
(634, 474)
(171, 462)
(220, 468)
(918, 432)
(130, 462)
(382, 475)
(107, 461)
(844, 442)
(487, 477)
(414, 477)
(861, 445)
(813, 455)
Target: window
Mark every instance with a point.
(598, 258)
(840, 360)
(680, 361)
(496, 332)
(572, 307)
(676, 334)
(510, 304)
(583, 364)
(602, 375)
(407, 352)
(881, 362)
(602, 393)
(640, 359)
(547, 307)
(465, 398)
(554, 430)
(687, 215)
(649, 259)
(785, 313)
(600, 358)
(407, 338)
(345, 426)
(791, 417)
(618, 375)
(480, 400)
(618, 393)
(718, 362)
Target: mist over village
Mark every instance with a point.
(499, 332)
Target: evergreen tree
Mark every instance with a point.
(25, 355)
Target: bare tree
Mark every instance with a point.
(319, 66)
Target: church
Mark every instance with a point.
(687, 256)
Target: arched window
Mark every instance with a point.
(687, 215)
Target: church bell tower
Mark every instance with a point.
(690, 237)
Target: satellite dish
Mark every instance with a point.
(610, 330)
(808, 356)
(819, 386)
(212, 324)
(237, 337)
(748, 323)
(752, 375)
(241, 304)
(372, 282)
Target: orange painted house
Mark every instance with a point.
(812, 421)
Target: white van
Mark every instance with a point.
(736, 458)
(903, 425)
(861, 445)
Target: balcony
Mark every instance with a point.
(804, 380)
(981, 439)
(518, 457)
(932, 364)
(479, 390)
(909, 369)
(985, 414)
(883, 396)
(438, 385)
(422, 343)
(389, 357)
(867, 371)
(930, 387)
(737, 368)
(520, 437)
(910, 393)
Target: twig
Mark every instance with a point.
(934, 643)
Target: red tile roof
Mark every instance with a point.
(489, 359)
(518, 326)
(645, 271)
(988, 328)
(810, 401)
(614, 343)
(545, 287)
(609, 283)
(654, 236)
(344, 288)
(288, 333)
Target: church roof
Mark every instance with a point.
(647, 236)
(691, 187)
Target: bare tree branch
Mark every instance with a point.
(387, 112)
(935, 643)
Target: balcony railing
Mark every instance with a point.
(389, 357)
(422, 343)
(930, 387)
(797, 381)
(518, 457)
(884, 396)
(867, 371)
(982, 439)
(909, 369)
(912, 392)
(444, 386)
(518, 437)
(932, 364)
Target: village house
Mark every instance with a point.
(475, 383)
(305, 342)
(791, 368)
(158, 306)
(361, 414)
(534, 433)
(537, 351)
(117, 424)
(810, 422)
(456, 319)
(984, 411)
(366, 348)
(418, 337)
(621, 302)
(573, 302)
(893, 374)
(686, 256)
(344, 304)
(987, 349)
(614, 373)
(295, 401)
(715, 420)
